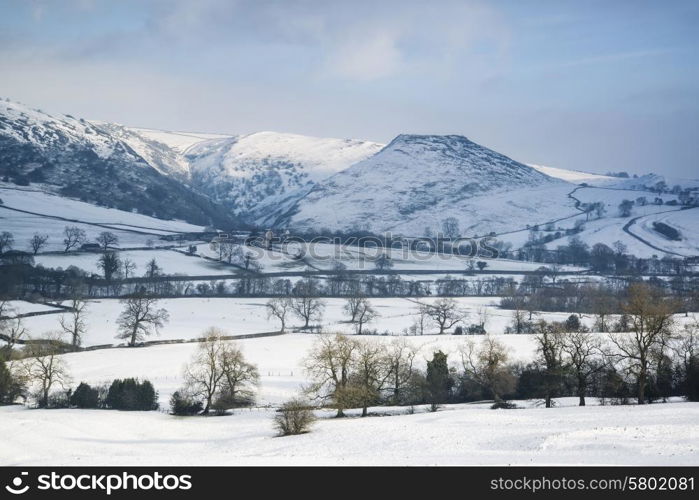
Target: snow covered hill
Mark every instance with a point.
(93, 162)
(246, 170)
(417, 181)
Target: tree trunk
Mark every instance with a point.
(642, 387)
(364, 411)
(548, 401)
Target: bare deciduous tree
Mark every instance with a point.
(107, 239)
(365, 313)
(307, 308)
(486, 364)
(582, 351)
(400, 358)
(239, 377)
(651, 320)
(549, 348)
(128, 267)
(421, 321)
(445, 314)
(141, 317)
(329, 366)
(370, 374)
(73, 322)
(6, 241)
(12, 330)
(73, 236)
(218, 372)
(44, 367)
(279, 308)
(37, 242)
(352, 305)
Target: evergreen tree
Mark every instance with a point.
(439, 381)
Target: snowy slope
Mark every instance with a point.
(246, 170)
(417, 181)
(94, 163)
(651, 435)
(574, 176)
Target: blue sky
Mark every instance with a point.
(589, 85)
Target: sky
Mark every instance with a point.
(588, 85)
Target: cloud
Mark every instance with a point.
(366, 57)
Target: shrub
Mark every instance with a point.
(131, 395)
(85, 397)
(503, 405)
(184, 405)
(58, 399)
(294, 417)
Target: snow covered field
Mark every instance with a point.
(44, 203)
(240, 316)
(661, 434)
(171, 262)
(457, 434)
(133, 230)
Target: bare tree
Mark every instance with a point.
(44, 367)
(6, 241)
(153, 269)
(365, 314)
(486, 364)
(239, 377)
(450, 228)
(73, 236)
(549, 348)
(219, 373)
(329, 365)
(279, 308)
(141, 317)
(383, 262)
(652, 325)
(73, 323)
(445, 314)
(12, 331)
(107, 239)
(370, 374)
(203, 375)
(420, 323)
(37, 242)
(128, 267)
(400, 357)
(482, 315)
(307, 308)
(582, 351)
(352, 305)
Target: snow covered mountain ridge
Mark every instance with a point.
(279, 179)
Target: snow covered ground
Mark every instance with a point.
(171, 262)
(133, 230)
(241, 316)
(53, 205)
(660, 434)
(23, 307)
(457, 434)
